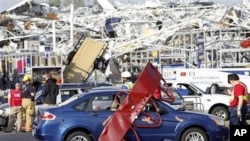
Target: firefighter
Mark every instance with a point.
(127, 80)
(28, 104)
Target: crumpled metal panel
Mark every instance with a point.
(120, 122)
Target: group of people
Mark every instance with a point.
(21, 101)
(22, 106)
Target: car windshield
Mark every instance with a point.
(197, 88)
(175, 107)
(174, 92)
(74, 97)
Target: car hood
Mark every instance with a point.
(219, 96)
(193, 114)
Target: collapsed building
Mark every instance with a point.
(110, 37)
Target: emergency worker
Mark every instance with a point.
(127, 84)
(28, 104)
(15, 103)
(238, 101)
(127, 80)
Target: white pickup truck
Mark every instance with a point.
(197, 100)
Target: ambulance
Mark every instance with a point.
(203, 78)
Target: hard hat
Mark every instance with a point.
(126, 74)
(27, 77)
(28, 70)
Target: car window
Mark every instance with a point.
(66, 94)
(174, 91)
(117, 100)
(190, 90)
(222, 90)
(197, 88)
(102, 102)
(182, 89)
(81, 106)
(95, 103)
(69, 100)
(149, 107)
(175, 107)
(107, 101)
(83, 90)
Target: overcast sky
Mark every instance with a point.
(5, 4)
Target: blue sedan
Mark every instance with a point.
(83, 116)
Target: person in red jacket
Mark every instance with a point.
(15, 103)
(238, 101)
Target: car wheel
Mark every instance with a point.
(99, 63)
(3, 121)
(78, 136)
(193, 134)
(221, 112)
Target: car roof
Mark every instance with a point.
(118, 89)
(106, 88)
(82, 85)
(85, 86)
(102, 91)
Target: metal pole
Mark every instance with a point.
(54, 34)
(71, 23)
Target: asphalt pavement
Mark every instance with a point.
(22, 136)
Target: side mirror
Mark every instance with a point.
(161, 110)
(199, 94)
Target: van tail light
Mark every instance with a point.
(47, 116)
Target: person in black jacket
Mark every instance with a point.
(50, 90)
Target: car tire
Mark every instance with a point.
(99, 63)
(221, 112)
(78, 135)
(194, 134)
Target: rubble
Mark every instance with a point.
(190, 33)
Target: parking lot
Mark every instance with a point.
(23, 136)
(28, 136)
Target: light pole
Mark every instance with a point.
(71, 22)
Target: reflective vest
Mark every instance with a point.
(15, 98)
(245, 96)
(129, 85)
(234, 102)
